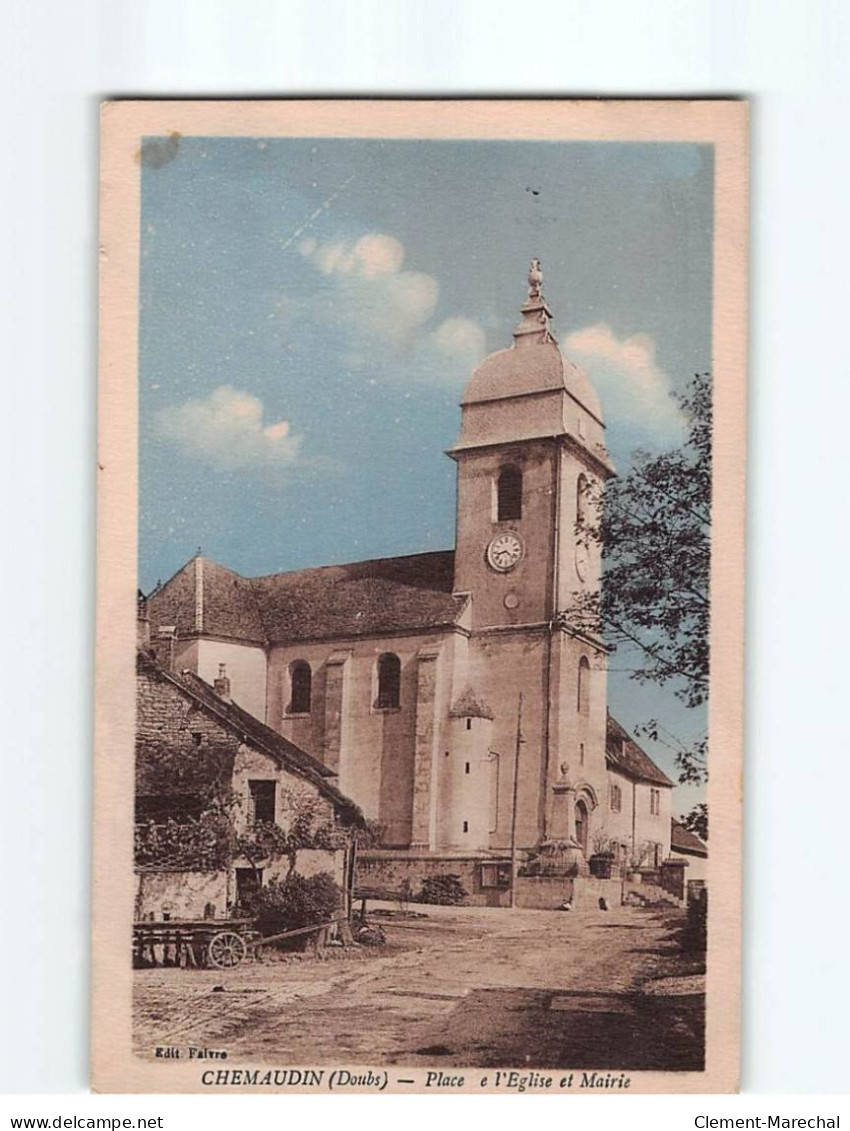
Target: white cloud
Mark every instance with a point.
(412, 296)
(388, 311)
(377, 255)
(460, 337)
(632, 386)
(225, 430)
(371, 257)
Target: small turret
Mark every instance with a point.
(467, 810)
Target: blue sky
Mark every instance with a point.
(311, 310)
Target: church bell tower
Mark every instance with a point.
(531, 446)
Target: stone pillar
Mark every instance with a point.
(563, 829)
(673, 876)
(563, 812)
(422, 830)
(332, 743)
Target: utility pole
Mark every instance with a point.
(519, 742)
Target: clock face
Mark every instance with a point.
(505, 551)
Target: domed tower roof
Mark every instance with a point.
(534, 363)
(531, 389)
(517, 372)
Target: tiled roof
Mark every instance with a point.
(251, 731)
(624, 754)
(228, 605)
(384, 595)
(683, 840)
(361, 598)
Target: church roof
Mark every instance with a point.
(208, 597)
(623, 753)
(375, 597)
(683, 840)
(360, 598)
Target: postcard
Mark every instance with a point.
(420, 596)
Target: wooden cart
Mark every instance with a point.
(220, 943)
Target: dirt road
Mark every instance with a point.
(462, 986)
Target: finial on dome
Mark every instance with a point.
(534, 327)
(535, 279)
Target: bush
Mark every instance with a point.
(297, 901)
(442, 889)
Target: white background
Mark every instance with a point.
(57, 60)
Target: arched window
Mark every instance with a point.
(583, 686)
(301, 681)
(389, 680)
(509, 494)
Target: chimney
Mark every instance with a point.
(221, 686)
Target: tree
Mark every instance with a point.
(654, 534)
(697, 821)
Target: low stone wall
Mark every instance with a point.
(588, 890)
(545, 893)
(383, 870)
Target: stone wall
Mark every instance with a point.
(588, 890)
(383, 871)
(180, 895)
(186, 895)
(546, 893)
(166, 714)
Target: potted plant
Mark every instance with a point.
(601, 862)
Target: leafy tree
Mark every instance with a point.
(654, 535)
(697, 821)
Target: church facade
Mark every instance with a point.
(444, 691)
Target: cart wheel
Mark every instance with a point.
(226, 949)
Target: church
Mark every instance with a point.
(443, 690)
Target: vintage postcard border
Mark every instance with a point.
(720, 123)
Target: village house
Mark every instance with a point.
(401, 677)
(639, 800)
(208, 776)
(687, 846)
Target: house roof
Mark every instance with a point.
(683, 840)
(624, 754)
(375, 597)
(251, 731)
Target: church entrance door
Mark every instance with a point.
(581, 825)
